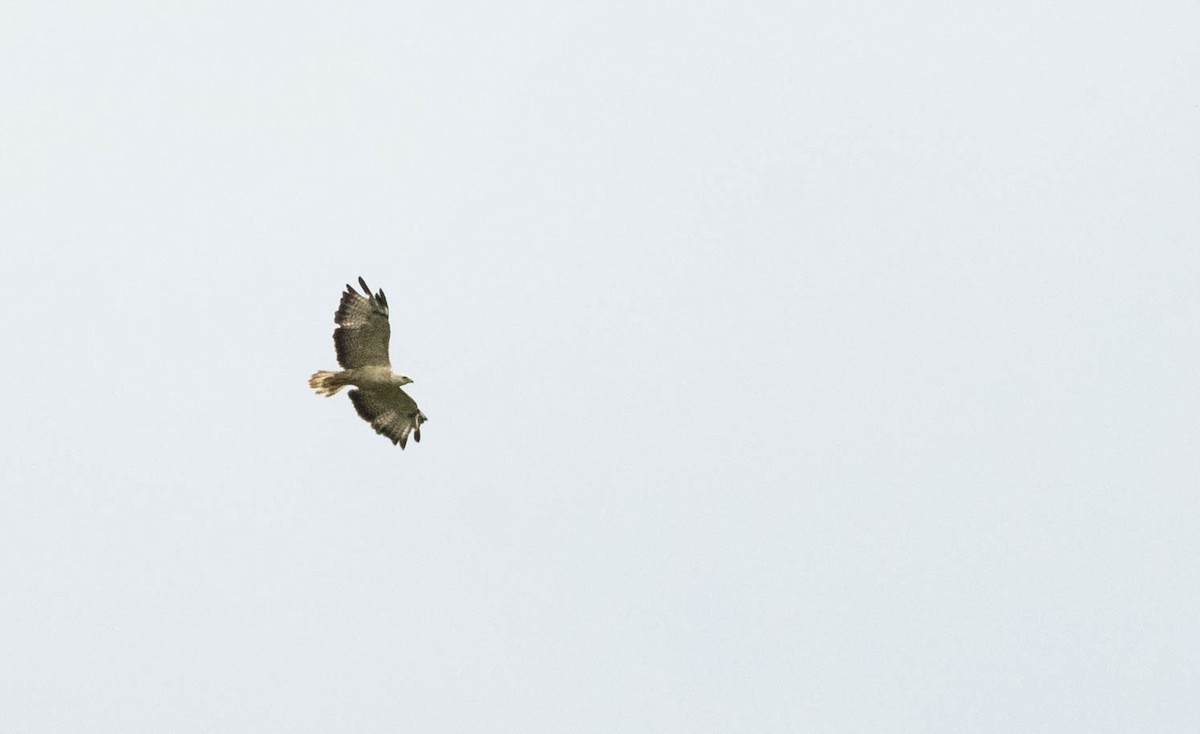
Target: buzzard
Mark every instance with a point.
(361, 339)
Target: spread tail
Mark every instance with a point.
(327, 383)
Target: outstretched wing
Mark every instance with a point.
(390, 411)
(363, 330)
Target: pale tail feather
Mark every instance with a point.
(327, 383)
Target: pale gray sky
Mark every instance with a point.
(790, 367)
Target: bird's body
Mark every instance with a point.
(361, 340)
(370, 377)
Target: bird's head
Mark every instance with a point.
(401, 379)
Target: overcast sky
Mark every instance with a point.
(789, 367)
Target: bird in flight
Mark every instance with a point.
(361, 339)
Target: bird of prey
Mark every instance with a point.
(361, 339)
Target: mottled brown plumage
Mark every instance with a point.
(361, 341)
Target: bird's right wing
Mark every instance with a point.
(363, 332)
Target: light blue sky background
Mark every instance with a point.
(790, 367)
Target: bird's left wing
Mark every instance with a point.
(390, 411)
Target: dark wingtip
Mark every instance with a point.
(363, 283)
